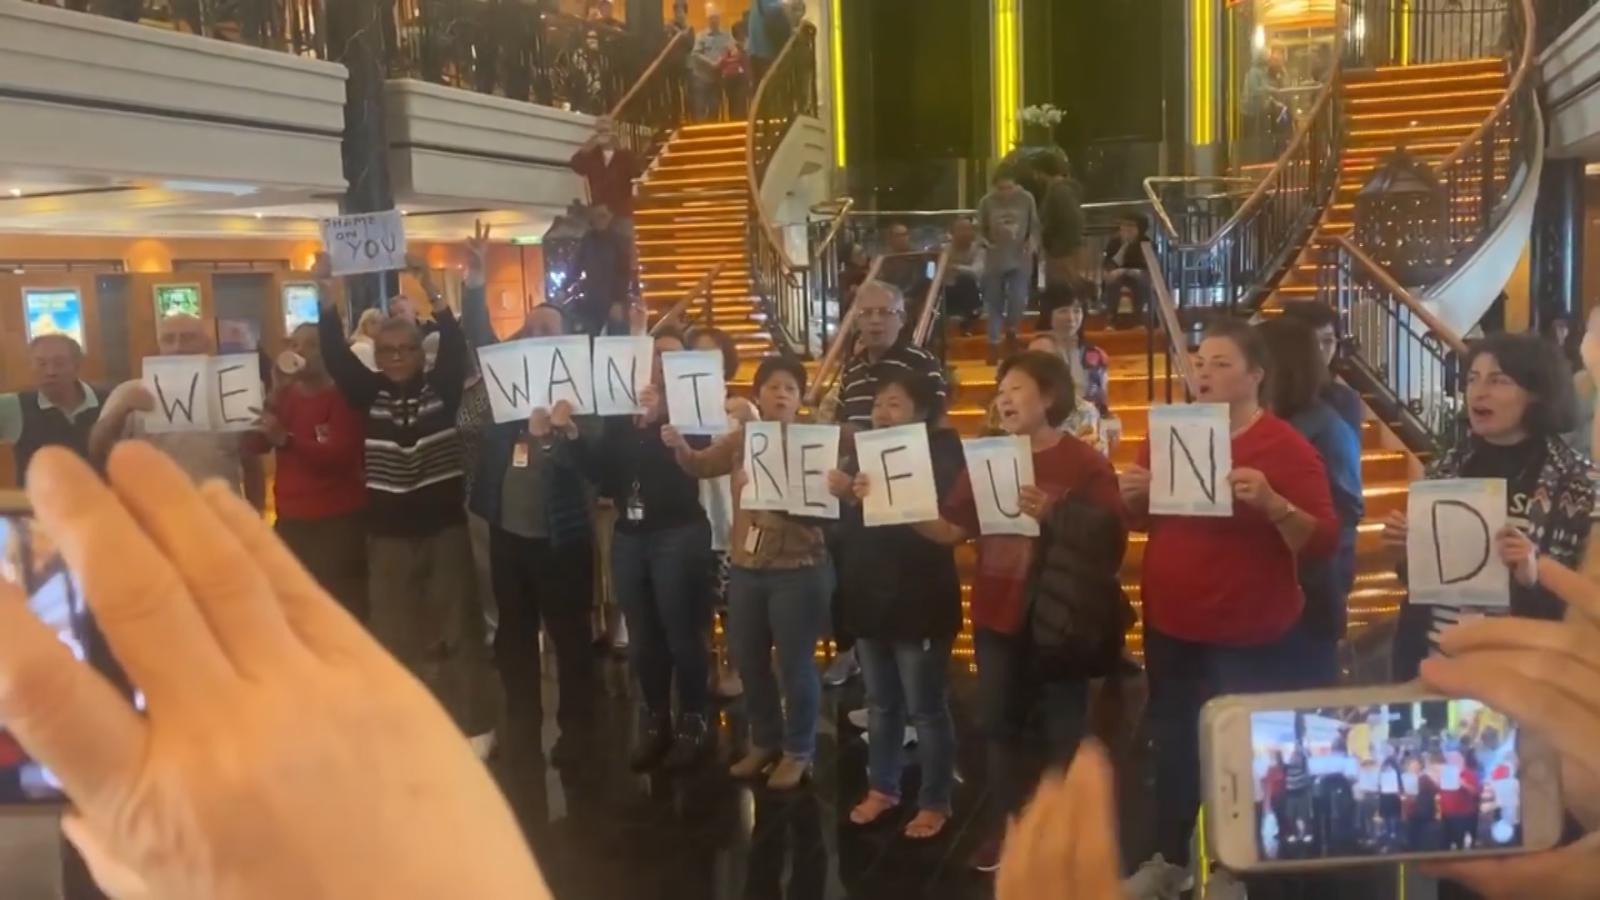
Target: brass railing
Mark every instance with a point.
(701, 291)
(657, 102)
(833, 361)
(289, 26)
(788, 91)
(1162, 317)
(824, 282)
(1402, 358)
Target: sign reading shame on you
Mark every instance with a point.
(368, 242)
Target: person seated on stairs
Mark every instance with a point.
(1008, 221)
(777, 593)
(1324, 323)
(1035, 398)
(1295, 395)
(963, 299)
(1123, 268)
(901, 597)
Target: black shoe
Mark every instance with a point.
(655, 739)
(690, 744)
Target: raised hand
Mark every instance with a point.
(561, 419)
(672, 439)
(1395, 529)
(842, 486)
(478, 253)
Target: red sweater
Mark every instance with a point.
(1004, 559)
(1233, 581)
(609, 184)
(319, 472)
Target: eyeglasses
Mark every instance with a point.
(877, 313)
(399, 352)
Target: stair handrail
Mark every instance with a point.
(1393, 349)
(1164, 312)
(1475, 158)
(700, 290)
(778, 278)
(833, 360)
(1288, 199)
(840, 211)
(630, 114)
(926, 317)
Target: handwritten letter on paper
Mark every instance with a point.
(1450, 543)
(1191, 454)
(621, 370)
(766, 471)
(998, 468)
(696, 392)
(203, 393)
(534, 373)
(898, 465)
(813, 450)
(370, 242)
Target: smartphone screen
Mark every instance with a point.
(1436, 776)
(29, 560)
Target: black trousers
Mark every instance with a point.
(334, 551)
(536, 584)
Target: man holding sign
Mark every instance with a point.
(778, 587)
(1222, 594)
(197, 413)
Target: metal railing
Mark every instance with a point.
(1161, 316)
(703, 291)
(825, 281)
(788, 91)
(1234, 266)
(833, 361)
(1416, 32)
(1393, 350)
(657, 102)
(288, 26)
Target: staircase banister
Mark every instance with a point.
(1519, 78)
(1169, 318)
(1264, 187)
(1374, 270)
(925, 318)
(702, 288)
(649, 73)
(768, 231)
(833, 360)
(842, 212)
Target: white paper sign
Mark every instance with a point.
(369, 242)
(998, 468)
(813, 451)
(899, 470)
(203, 393)
(1191, 454)
(766, 481)
(1450, 551)
(621, 371)
(534, 373)
(696, 392)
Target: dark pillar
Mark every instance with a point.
(359, 35)
(1555, 248)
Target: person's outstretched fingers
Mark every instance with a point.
(1566, 721)
(323, 625)
(1565, 874)
(229, 589)
(115, 878)
(143, 607)
(63, 712)
(1578, 592)
(1092, 809)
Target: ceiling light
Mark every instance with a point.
(258, 215)
(16, 192)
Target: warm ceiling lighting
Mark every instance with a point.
(16, 192)
(258, 215)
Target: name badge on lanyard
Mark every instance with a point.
(519, 455)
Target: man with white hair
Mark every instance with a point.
(60, 408)
(203, 454)
(705, 66)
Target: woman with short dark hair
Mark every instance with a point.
(1518, 404)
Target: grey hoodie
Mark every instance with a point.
(1009, 224)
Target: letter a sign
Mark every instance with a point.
(1191, 454)
(1450, 543)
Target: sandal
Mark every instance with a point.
(926, 825)
(873, 807)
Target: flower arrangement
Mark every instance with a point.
(1044, 114)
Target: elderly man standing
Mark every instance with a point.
(58, 411)
(421, 588)
(880, 322)
(609, 170)
(204, 455)
(705, 67)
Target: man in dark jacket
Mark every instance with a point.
(1061, 219)
(605, 261)
(60, 408)
(1124, 268)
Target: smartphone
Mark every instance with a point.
(29, 560)
(1355, 776)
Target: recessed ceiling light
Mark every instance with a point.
(258, 215)
(405, 212)
(16, 192)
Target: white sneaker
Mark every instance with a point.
(857, 718)
(843, 668)
(1223, 886)
(1157, 879)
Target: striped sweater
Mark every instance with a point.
(413, 453)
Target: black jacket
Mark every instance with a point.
(895, 584)
(1078, 615)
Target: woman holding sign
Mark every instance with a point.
(901, 597)
(779, 586)
(1519, 402)
(1035, 397)
(1221, 595)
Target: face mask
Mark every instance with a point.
(290, 362)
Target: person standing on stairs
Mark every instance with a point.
(769, 28)
(605, 261)
(880, 323)
(1008, 221)
(1324, 323)
(609, 170)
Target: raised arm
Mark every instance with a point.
(474, 291)
(128, 398)
(358, 383)
(714, 461)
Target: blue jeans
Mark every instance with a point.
(909, 678)
(662, 582)
(1005, 296)
(789, 608)
(1018, 712)
(1183, 676)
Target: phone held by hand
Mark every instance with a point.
(1357, 776)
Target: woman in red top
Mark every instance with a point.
(1221, 595)
(1035, 397)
